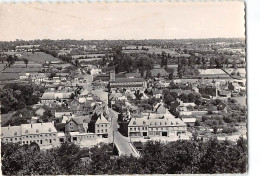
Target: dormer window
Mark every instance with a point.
(49, 130)
(160, 123)
(144, 122)
(26, 131)
(171, 123)
(134, 123)
(177, 123)
(165, 123)
(2, 134)
(37, 131)
(15, 133)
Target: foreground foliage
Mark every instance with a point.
(191, 156)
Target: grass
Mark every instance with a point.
(38, 57)
(8, 76)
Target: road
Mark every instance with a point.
(122, 142)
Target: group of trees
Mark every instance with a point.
(15, 96)
(179, 157)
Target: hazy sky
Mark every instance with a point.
(167, 20)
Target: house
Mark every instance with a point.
(157, 93)
(159, 108)
(55, 97)
(159, 71)
(77, 124)
(44, 134)
(79, 138)
(132, 84)
(38, 77)
(224, 93)
(189, 121)
(102, 126)
(95, 71)
(156, 125)
(84, 108)
(234, 86)
(223, 107)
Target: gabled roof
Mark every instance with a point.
(101, 119)
(81, 120)
(162, 71)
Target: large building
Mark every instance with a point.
(44, 134)
(126, 83)
(156, 125)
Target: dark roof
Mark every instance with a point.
(224, 92)
(131, 85)
(103, 77)
(162, 71)
(118, 80)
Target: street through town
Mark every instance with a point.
(122, 142)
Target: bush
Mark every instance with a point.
(229, 130)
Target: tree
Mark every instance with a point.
(148, 74)
(72, 96)
(26, 62)
(215, 129)
(197, 123)
(171, 76)
(47, 115)
(53, 74)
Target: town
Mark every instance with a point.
(125, 95)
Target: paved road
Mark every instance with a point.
(122, 142)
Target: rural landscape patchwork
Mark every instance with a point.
(74, 107)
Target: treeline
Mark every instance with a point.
(179, 157)
(15, 96)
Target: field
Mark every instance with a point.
(35, 64)
(39, 57)
(8, 76)
(1, 67)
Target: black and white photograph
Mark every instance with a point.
(123, 88)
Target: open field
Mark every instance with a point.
(37, 57)
(21, 70)
(2, 67)
(8, 76)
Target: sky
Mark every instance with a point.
(97, 21)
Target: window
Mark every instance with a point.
(15, 139)
(15, 133)
(98, 131)
(2, 134)
(144, 122)
(106, 130)
(130, 129)
(37, 131)
(49, 130)
(134, 123)
(101, 125)
(97, 125)
(101, 131)
(26, 131)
